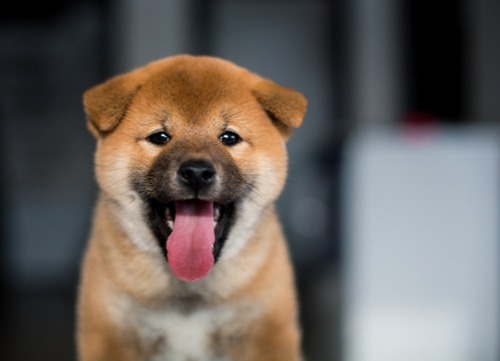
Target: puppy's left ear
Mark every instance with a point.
(286, 107)
(106, 104)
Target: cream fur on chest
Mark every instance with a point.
(191, 336)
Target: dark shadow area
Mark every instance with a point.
(51, 52)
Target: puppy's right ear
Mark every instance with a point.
(106, 104)
(284, 106)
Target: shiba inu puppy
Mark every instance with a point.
(187, 260)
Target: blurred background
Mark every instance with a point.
(392, 204)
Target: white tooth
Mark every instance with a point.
(170, 223)
(169, 214)
(216, 213)
(215, 224)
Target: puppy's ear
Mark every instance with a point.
(106, 104)
(285, 106)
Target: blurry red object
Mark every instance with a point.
(419, 127)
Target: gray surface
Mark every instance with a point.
(47, 151)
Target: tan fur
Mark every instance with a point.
(131, 306)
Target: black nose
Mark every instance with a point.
(197, 174)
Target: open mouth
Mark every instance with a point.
(195, 232)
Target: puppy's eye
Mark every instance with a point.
(160, 138)
(229, 138)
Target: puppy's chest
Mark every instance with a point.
(206, 334)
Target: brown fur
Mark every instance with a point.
(128, 294)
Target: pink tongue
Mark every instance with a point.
(189, 247)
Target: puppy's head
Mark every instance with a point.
(191, 150)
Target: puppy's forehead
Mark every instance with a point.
(195, 91)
